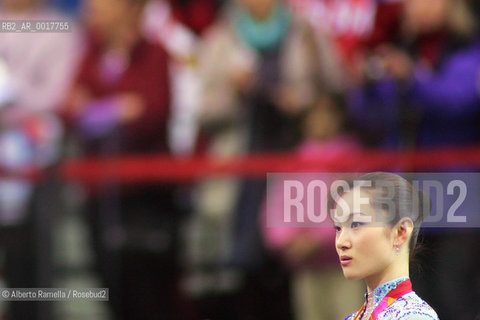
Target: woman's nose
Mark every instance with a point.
(343, 242)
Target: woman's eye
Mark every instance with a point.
(337, 228)
(357, 224)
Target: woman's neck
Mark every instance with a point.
(394, 271)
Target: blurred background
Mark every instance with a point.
(220, 79)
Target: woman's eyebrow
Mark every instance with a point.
(364, 217)
(351, 216)
(343, 220)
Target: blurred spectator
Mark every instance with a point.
(435, 73)
(197, 15)
(352, 24)
(36, 71)
(160, 25)
(421, 89)
(261, 66)
(319, 289)
(283, 68)
(349, 22)
(120, 105)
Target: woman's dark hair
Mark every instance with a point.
(408, 202)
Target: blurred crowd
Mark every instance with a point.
(224, 78)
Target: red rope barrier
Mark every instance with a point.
(141, 169)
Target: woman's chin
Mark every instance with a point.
(351, 276)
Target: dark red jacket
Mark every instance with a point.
(147, 75)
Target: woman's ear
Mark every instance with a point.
(402, 231)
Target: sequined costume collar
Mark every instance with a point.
(381, 291)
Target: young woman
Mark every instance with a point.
(376, 234)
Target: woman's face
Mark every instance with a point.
(365, 248)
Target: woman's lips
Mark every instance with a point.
(345, 260)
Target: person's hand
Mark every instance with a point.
(288, 100)
(131, 107)
(242, 80)
(397, 62)
(301, 248)
(77, 100)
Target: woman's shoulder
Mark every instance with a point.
(410, 307)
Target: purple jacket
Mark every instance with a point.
(446, 100)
